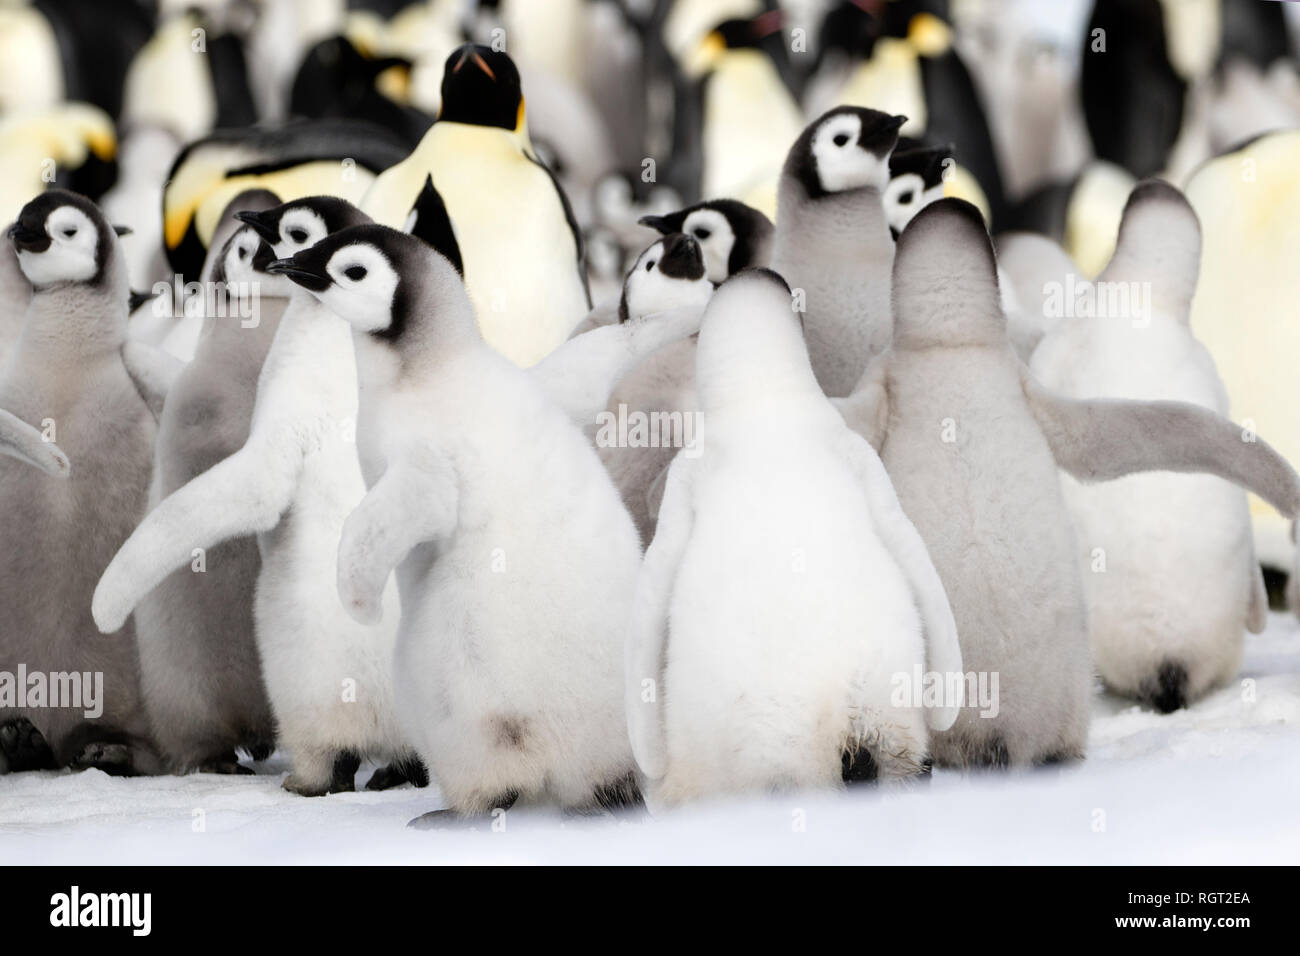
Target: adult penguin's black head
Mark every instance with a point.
(480, 86)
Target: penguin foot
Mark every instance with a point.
(858, 766)
(115, 759)
(1059, 758)
(410, 770)
(345, 772)
(223, 763)
(452, 819)
(617, 794)
(261, 750)
(23, 747)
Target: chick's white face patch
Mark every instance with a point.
(300, 228)
(714, 234)
(841, 163)
(905, 196)
(363, 283)
(647, 289)
(70, 257)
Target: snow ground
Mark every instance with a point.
(1217, 784)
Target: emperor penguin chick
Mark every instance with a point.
(972, 443)
(66, 374)
(200, 667)
(732, 235)
(832, 240)
(329, 678)
(515, 559)
(785, 593)
(1148, 542)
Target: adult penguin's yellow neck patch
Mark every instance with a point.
(929, 35)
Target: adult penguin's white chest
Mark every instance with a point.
(519, 252)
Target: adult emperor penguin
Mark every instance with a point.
(732, 235)
(1146, 542)
(1250, 217)
(748, 114)
(201, 672)
(789, 679)
(832, 240)
(521, 246)
(478, 483)
(973, 442)
(335, 157)
(329, 679)
(66, 376)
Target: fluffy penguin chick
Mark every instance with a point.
(972, 442)
(1147, 542)
(832, 240)
(515, 559)
(732, 235)
(200, 669)
(328, 677)
(782, 597)
(651, 412)
(66, 374)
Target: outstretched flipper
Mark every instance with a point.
(866, 408)
(409, 505)
(153, 371)
(1103, 438)
(242, 495)
(582, 372)
(649, 626)
(22, 441)
(900, 537)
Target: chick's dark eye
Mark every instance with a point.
(701, 233)
(906, 197)
(70, 232)
(243, 253)
(841, 139)
(649, 266)
(355, 273)
(298, 235)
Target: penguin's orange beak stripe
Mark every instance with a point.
(478, 61)
(482, 65)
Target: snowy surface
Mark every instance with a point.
(1219, 783)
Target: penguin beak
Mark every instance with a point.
(267, 228)
(263, 257)
(304, 275)
(27, 238)
(682, 257)
(659, 224)
(881, 136)
(471, 54)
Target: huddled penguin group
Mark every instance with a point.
(774, 422)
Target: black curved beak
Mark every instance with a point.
(28, 238)
(301, 273)
(881, 137)
(263, 257)
(266, 227)
(682, 258)
(661, 224)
